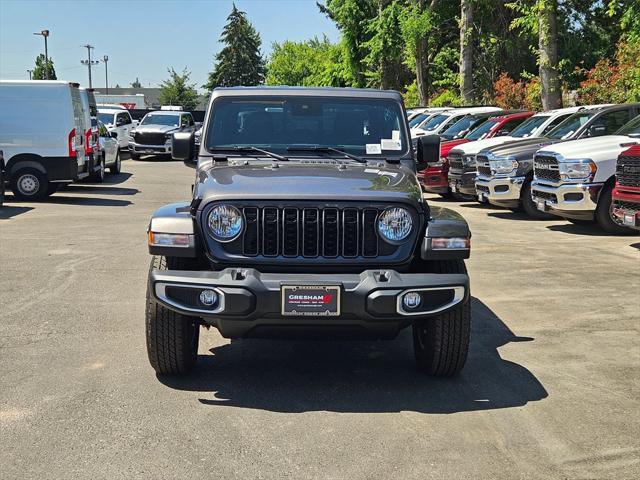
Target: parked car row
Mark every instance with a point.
(53, 133)
(557, 163)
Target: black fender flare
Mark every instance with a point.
(174, 218)
(445, 223)
(25, 160)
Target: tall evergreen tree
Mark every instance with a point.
(240, 61)
(41, 65)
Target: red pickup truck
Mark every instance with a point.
(434, 179)
(626, 194)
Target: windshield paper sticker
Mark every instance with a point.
(390, 144)
(395, 134)
(373, 149)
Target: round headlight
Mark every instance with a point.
(394, 224)
(225, 222)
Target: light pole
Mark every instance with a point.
(88, 62)
(45, 34)
(29, 71)
(105, 59)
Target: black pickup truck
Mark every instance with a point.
(307, 220)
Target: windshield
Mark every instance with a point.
(529, 126)
(462, 126)
(631, 129)
(419, 118)
(158, 119)
(435, 122)
(570, 126)
(483, 130)
(106, 118)
(360, 126)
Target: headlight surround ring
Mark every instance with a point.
(395, 225)
(225, 223)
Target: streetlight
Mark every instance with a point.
(105, 59)
(45, 34)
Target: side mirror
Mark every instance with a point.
(597, 130)
(183, 147)
(113, 134)
(427, 151)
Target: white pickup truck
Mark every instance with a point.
(575, 179)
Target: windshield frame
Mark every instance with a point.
(405, 152)
(155, 114)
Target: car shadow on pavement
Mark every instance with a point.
(360, 377)
(101, 188)
(510, 215)
(87, 201)
(589, 230)
(7, 212)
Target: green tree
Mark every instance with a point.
(136, 84)
(177, 91)
(41, 65)
(310, 63)
(240, 61)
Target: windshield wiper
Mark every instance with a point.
(239, 148)
(318, 148)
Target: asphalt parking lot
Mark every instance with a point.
(551, 388)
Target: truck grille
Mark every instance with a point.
(482, 188)
(455, 162)
(630, 206)
(149, 138)
(310, 232)
(482, 163)
(546, 168)
(628, 171)
(545, 196)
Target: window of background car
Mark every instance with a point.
(612, 121)
(359, 126)
(571, 125)
(462, 125)
(482, 130)
(421, 117)
(435, 122)
(106, 118)
(631, 129)
(161, 119)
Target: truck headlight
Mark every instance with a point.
(579, 169)
(225, 222)
(394, 224)
(503, 166)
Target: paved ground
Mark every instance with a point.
(551, 389)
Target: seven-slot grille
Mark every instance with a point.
(483, 166)
(309, 232)
(455, 162)
(628, 171)
(546, 168)
(149, 138)
(545, 196)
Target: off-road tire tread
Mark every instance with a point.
(447, 334)
(169, 333)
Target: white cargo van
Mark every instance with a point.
(42, 135)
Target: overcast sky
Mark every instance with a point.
(141, 37)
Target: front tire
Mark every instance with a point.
(441, 343)
(172, 338)
(117, 166)
(29, 184)
(529, 206)
(604, 217)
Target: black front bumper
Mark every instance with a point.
(251, 304)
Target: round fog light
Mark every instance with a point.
(208, 298)
(412, 300)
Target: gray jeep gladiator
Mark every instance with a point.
(307, 220)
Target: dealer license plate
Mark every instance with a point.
(310, 300)
(481, 198)
(630, 219)
(542, 206)
(454, 189)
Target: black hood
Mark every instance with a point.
(308, 181)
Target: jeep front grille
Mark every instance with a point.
(546, 168)
(628, 171)
(310, 232)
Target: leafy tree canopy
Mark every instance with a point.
(176, 90)
(41, 67)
